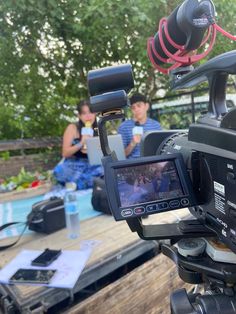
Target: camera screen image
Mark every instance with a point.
(147, 183)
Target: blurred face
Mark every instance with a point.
(159, 169)
(158, 173)
(86, 115)
(139, 110)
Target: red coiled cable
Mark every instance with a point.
(181, 57)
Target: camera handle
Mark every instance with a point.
(115, 114)
(216, 72)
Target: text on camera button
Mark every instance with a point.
(151, 208)
(174, 204)
(126, 212)
(163, 205)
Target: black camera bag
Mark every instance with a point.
(99, 196)
(47, 216)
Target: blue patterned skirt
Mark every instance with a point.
(78, 171)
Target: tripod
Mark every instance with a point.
(219, 281)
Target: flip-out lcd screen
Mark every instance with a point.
(147, 183)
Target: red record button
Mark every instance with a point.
(139, 210)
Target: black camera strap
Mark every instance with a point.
(4, 247)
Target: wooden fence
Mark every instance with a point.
(10, 166)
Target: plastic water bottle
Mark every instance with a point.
(72, 215)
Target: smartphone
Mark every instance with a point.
(22, 275)
(46, 258)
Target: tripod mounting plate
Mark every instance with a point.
(219, 252)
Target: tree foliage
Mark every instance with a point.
(48, 46)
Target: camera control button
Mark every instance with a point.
(163, 205)
(231, 177)
(139, 210)
(126, 212)
(184, 201)
(174, 204)
(232, 212)
(151, 208)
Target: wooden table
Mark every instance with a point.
(118, 246)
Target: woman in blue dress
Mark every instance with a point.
(75, 167)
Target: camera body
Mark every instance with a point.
(195, 169)
(202, 161)
(210, 157)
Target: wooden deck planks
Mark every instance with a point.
(114, 237)
(145, 290)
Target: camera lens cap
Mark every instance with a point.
(191, 247)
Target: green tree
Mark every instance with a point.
(47, 48)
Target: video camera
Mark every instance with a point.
(194, 169)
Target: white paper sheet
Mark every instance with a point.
(69, 265)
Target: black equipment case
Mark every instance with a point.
(47, 216)
(99, 196)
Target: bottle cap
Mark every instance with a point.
(71, 186)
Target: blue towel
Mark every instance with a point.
(18, 211)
